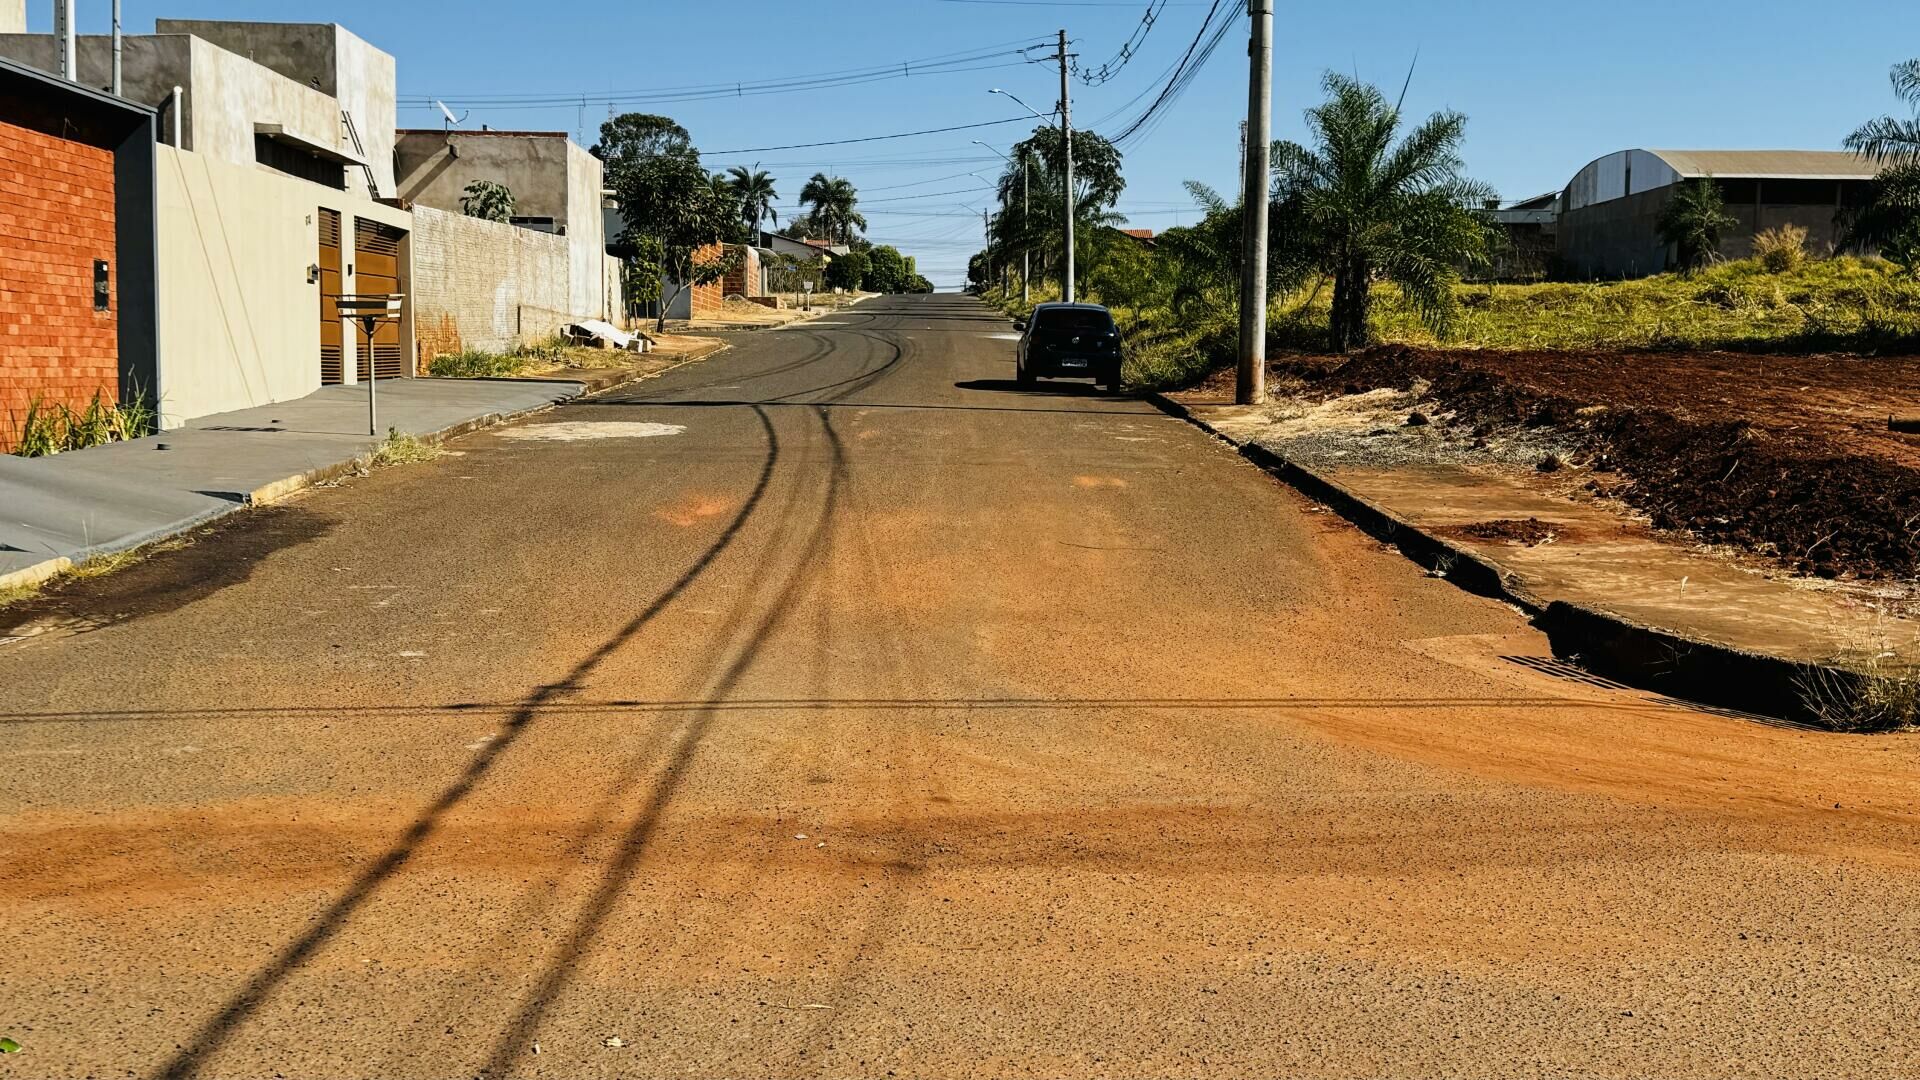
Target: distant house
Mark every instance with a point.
(484, 284)
(1607, 216)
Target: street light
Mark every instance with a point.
(1026, 250)
(987, 225)
(1066, 155)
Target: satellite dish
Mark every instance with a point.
(452, 121)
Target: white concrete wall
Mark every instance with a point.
(586, 232)
(485, 284)
(365, 87)
(13, 16)
(228, 94)
(239, 321)
(612, 291)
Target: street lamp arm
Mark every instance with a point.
(1022, 104)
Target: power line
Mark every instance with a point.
(1003, 54)
(1213, 29)
(1128, 48)
(870, 138)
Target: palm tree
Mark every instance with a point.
(755, 191)
(1359, 206)
(1891, 220)
(1693, 220)
(833, 200)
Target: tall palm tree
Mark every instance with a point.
(1360, 206)
(1891, 220)
(755, 191)
(833, 200)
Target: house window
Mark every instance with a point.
(293, 161)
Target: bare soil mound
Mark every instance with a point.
(1776, 455)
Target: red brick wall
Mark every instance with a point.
(56, 218)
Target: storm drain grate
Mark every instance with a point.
(1561, 669)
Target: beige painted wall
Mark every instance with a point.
(13, 16)
(239, 321)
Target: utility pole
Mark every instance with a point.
(1026, 250)
(1066, 148)
(1250, 386)
(64, 42)
(116, 48)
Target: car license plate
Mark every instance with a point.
(1073, 362)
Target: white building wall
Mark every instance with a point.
(586, 232)
(239, 323)
(365, 87)
(228, 94)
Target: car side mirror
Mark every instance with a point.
(1019, 324)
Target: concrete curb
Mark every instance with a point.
(1642, 656)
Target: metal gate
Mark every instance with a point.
(376, 269)
(332, 372)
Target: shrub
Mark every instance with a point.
(1781, 249)
(476, 364)
(50, 429)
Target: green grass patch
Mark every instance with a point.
(1840, 304)
(481, 364)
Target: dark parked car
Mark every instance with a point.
(1069, 340)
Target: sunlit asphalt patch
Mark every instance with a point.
(578, 430)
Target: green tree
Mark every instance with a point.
(888, 271)
(673, 212)
(1034, 215)
(754, 190)
(1359, 206)
(1890, 221)
(488, 200)
(1693, 220)
(847, 271)
(833, 200)
(630, 138)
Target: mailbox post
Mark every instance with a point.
(370, 310)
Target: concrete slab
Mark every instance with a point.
(73, 506)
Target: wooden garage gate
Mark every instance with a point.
(376, 269)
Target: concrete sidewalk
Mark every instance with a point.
(59, 511)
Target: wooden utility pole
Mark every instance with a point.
(1250, 386)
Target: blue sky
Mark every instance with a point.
(1546, 87)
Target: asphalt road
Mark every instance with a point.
(856, 713)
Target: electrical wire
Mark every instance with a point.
(1002, 54)
(1213, 29)
(1106, 72)
(870, 138)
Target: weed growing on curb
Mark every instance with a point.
(403, 449)
(1879, 694)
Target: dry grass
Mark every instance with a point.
(402, 449)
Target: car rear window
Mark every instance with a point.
(1083, 320)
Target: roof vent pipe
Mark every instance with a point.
(177, 92)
